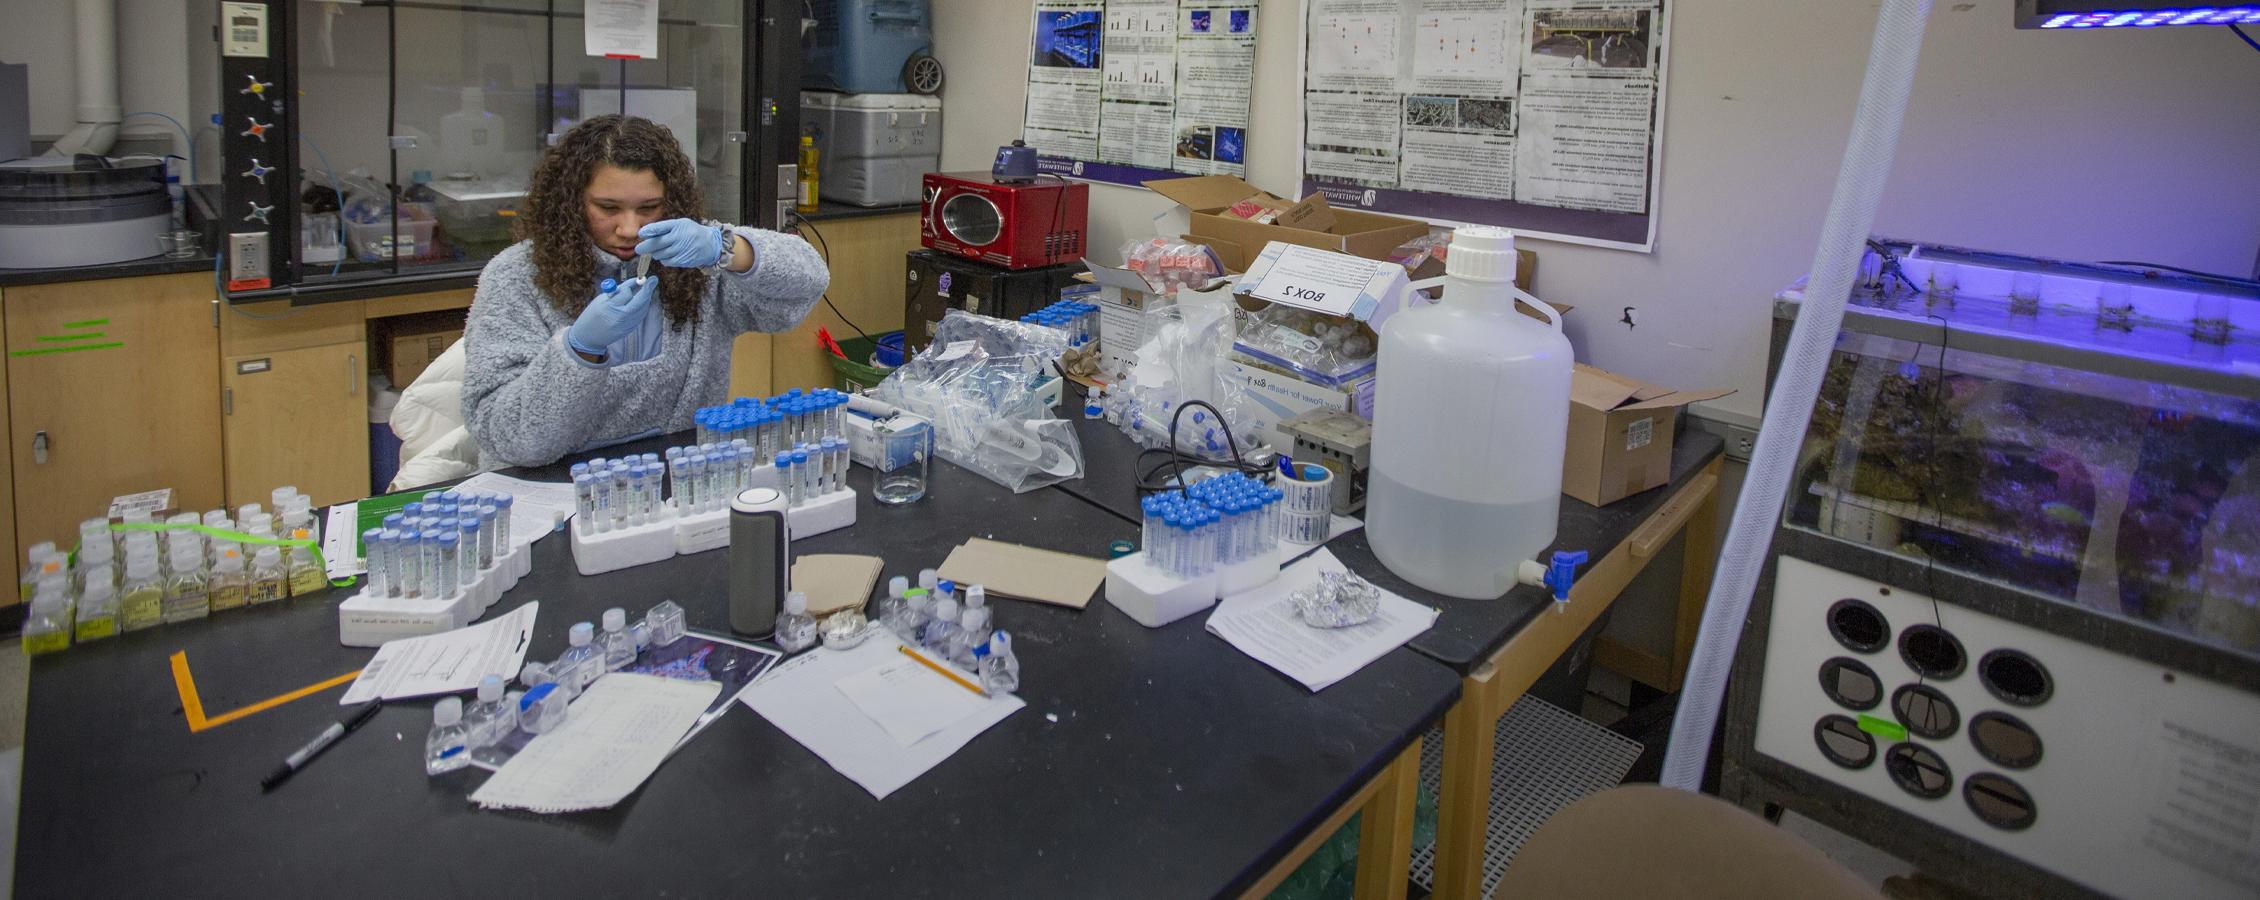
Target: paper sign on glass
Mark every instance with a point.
(621, 29)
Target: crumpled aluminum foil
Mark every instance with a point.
(1338, 600)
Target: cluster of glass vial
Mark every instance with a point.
(611, 494)
(1080, 321)
(153, 572)
(437, 548)
(776, 424)
(1218, 522)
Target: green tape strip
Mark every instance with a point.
(67, 338)
(1883, 728)
(88, 323)
(82, 347)
(312, 545)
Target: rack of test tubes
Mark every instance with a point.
(154, 571)
(636, 511)
(1216, 537)
(436, 565)
(1079, 321)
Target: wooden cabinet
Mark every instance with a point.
(111, 390)
(297, 417)
(294, 400)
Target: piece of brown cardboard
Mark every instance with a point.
(1620, 434)
(835, 581)
(411, 354)
(1025, 573)
(1311, 213)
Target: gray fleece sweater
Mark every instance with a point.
(530, 401)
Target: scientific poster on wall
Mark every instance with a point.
(1541, 115)
(1126, 91)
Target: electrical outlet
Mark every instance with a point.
(1741, 442)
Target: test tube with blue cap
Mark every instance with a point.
(487, 543)
(804, 475)
(375, 551)
(785, 481)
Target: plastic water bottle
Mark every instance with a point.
(917, 610)
(891, 605)
(492, 718)
(619, 644)
(448, 747)
(542, 708)
(1000, 670)
(796, 629)
(1468, 428)
(972, 631)
(943, 629)
(582, 662)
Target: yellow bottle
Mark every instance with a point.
(142, 603)
(47, 626)
(269, 582)
(97, 611)
(306, 575)
(807, 199)
(229, 586)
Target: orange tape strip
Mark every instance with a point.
(192, 706)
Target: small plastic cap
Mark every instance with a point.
(534, 673)
(615, 619)
(976, 597)
(897, 585)
(267, 556)
(946, 586)
(796, 603)
(490, 689)
(927, 578)
(1000, 643)
(945, 609)
(582, 634)
(1482, 253)
(448, 711)
(974, 617)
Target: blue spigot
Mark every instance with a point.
(1563, 572)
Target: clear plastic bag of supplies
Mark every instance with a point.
(1315, 348)
(1168, 264)
(1184, 359)
(1001, 337)
(978, 384)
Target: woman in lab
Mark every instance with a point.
(556, 362)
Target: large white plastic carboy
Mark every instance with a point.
(1470, 412)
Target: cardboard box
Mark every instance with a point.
(1620, 434)
(412, 342)
(1237, 240)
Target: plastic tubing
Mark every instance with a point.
(1851, 213)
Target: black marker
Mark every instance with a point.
(296, 761)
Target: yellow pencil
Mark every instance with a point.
(946, 671)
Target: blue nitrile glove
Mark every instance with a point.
(683, 244)
(613, 315)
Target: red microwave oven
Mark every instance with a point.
(1017, 226)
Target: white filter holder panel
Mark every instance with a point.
(366, 620)
(830, 512)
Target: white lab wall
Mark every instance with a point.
(2098, 145)
(152, 63)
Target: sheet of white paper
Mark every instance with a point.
(621, 28)
(1263, 624)
(339, 554)
(536, 507)
(799, 697)
(616, 735)
(1315, 280)
(909, 700)
(447, 662)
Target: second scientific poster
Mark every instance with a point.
(1126, 91)
(1542, 115)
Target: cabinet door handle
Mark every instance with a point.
(39, 448)
(352, 375)
(227, 401)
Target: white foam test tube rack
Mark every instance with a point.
(674, 531)
(371, 617)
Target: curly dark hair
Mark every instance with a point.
(553, 216)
